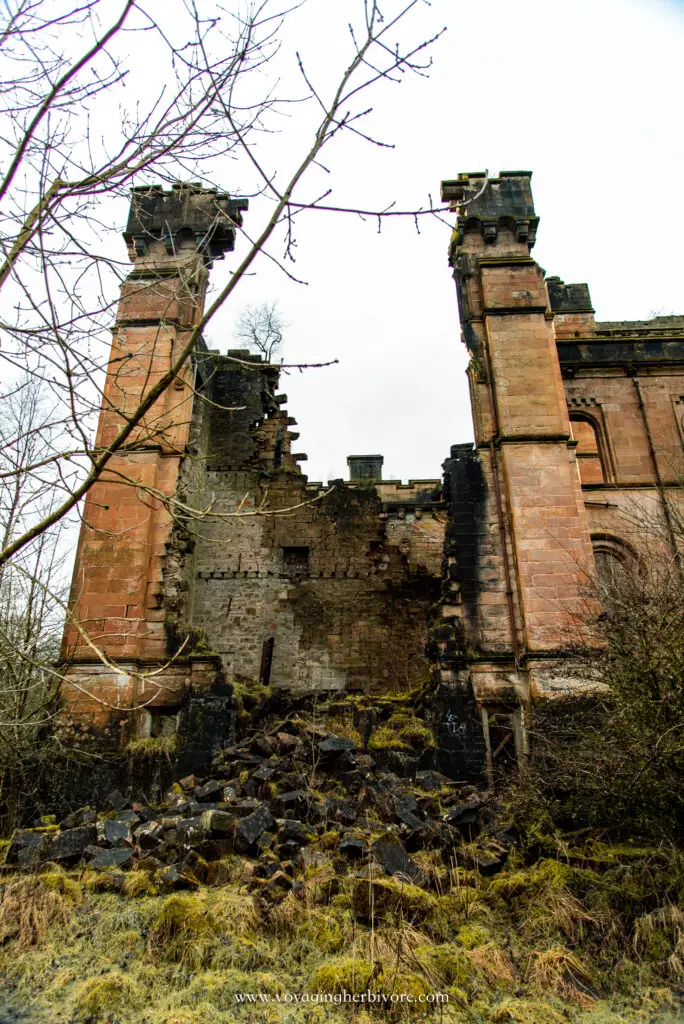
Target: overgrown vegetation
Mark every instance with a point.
(585, 935)
(617, 762)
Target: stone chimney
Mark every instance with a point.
(365, 467)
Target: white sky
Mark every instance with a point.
(588, 96)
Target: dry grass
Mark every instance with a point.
(525, 1011)
(31, 907)
(561, 971)
(139, 883)
(660, 936)
(502, 957)
(495, 964)
(182, 931)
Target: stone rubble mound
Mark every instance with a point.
(282, 800)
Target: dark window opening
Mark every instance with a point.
(266, 661)
(501, 727)
(296, 561)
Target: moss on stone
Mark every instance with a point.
(402, 732)
(96, 995)
(350, 974)
(383, 897)
(153, 746)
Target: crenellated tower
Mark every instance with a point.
(520, 550)
(173, 237)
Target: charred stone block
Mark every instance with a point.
(394, 860)
(461, 751)
(248, 829)
(116, 833)
(71, 844)
(107, 859)
(568, 298)
(209, 217)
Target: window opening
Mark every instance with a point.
(296, 561)
(266, 661)
(588, 452)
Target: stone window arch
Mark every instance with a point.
(614, 560)
(590, 458)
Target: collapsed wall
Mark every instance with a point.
(298, 584)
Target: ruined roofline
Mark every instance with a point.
(575, 298)
(421, 482)
(656, 323)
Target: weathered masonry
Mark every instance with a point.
(206, 556)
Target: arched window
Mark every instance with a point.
(614, 562)
(588, 451)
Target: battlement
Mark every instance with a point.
(492, 203)
(188, 211)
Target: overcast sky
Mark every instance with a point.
(588, 96)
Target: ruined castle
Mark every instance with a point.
(206, 557)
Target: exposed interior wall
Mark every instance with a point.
(331, 585)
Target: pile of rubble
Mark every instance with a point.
(275, 799)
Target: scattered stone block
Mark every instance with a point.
(115, 800)
(353, 847)
(115, 833)
(82, 816)
(148, 836)
(212, 789)
(248, 830)
(333, 746)
(294, 831)
(217, 821)
(107, 859)
(172, 879)
(70, 845)
(286, 743)
(394, 860)
(404, 812)
(127, 816)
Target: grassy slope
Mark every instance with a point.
(567, 940)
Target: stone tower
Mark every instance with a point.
(519, 543)
(172, 237)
